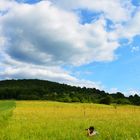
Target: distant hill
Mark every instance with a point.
(34, 89)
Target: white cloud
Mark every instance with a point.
(53, 73)
(128, 30)
(113, 90)
(2, 41)
(5, 5)
(116, 10)
(132, 92)
(54, 36)
(37, 40)
(133, 28)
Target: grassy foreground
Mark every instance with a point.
(42, 120)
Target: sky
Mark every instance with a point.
(87, 43)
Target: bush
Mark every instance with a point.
(75, 99)
(107, 100)
(123, 101)
(65, 99)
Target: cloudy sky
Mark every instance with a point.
(88, 43)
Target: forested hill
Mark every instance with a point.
(47, 90)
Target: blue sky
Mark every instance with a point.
(79, 43)
(28, 1)
(122, 73)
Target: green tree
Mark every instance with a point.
(106, 100)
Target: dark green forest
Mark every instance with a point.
(34, 89)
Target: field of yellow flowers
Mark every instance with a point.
(45, 120)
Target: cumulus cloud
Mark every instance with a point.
(38, 40)
(116, 10)
(6, 5)
(129, 29)
(132, 28)
(54, 36)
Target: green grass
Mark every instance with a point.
(42, 120)
(6, 111)
(6, 108)
(6, 105)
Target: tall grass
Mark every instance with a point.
(40, 120)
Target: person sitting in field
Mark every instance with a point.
(91, 131)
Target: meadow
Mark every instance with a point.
(45, 120)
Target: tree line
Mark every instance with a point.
(34, 89)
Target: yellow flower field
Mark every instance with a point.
(45, 120)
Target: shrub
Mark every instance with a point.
(75, 99)
(123, 101)
(107, 100)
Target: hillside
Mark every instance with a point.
(34, 89)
